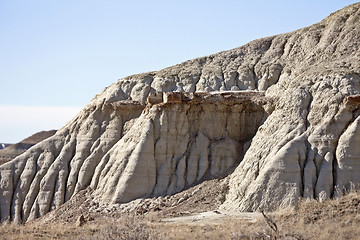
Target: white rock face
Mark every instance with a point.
(297, 139)
(171, 147)
(348, 158)
(49, 173)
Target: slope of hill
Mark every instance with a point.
(13, 150)
(295, 135)
(4, 145)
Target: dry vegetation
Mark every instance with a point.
(334, 219)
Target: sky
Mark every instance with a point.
(55, 56)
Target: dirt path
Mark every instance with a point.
(213, 216)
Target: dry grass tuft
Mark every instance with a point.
(124, 228)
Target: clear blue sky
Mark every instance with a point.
(62, 53)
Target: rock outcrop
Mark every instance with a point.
(181, 141)
(293, 131)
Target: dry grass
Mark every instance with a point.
(334, 219)
(136, 228)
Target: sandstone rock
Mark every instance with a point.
(292, 132)
(155, 98)
(348, 158)
(80, 221)
(171, 150)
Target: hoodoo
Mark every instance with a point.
(281, 115)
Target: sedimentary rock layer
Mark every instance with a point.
(126, 151)
(123, 149)
(178, 143)
(49, 173)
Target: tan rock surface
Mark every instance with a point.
(175, 145)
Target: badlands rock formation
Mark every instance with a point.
(294, 133)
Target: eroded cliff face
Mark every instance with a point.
(299, 138)
(49, 173)
(125, 151)
(180, 142)
(296, 152)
